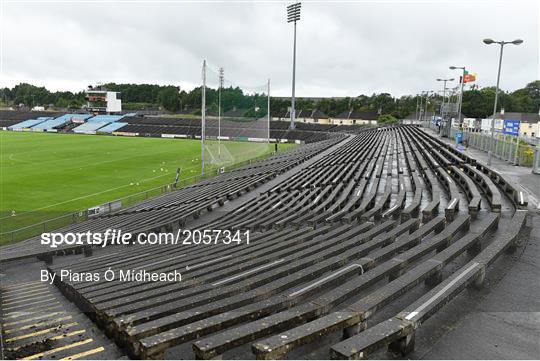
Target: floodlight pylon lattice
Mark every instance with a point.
(293, 12)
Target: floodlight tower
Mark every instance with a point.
(502, 44)
(293, 15)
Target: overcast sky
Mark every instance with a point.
(344, 48)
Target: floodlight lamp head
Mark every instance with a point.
(293, 12)
(488, 41)
(517, 41)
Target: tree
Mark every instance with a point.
(477, 103)
(61, 103)
(386, 119)
(169, 98)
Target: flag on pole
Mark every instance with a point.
(469, 77)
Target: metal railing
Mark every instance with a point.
(505, 147)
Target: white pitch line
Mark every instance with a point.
(521, 197)
(314, 284)
(247, 272)
(275, 205)
(443, 290)
(454, 200)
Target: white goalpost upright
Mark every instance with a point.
(268, 113)
(221, 73)
(203, 114)
(235, 119)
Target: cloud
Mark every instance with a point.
(344, 48)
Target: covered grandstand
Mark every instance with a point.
(111, 127)
(89, 127)
(26, 124)
(11, 117)
(54, 124)
(93, 124)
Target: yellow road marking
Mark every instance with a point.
(58, 349)
(37, 309)
(29, 304)
(83, 354)
(26, 299)
(37, 333)
(29, 295)
(74, 333)
(34, 318)
(37, 325)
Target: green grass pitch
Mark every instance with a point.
(45, 175)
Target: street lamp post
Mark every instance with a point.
(442, 104)
(461, 91)
(420, 107)
(426, 105)
(417, 104)
(293, 15)
(502, 44)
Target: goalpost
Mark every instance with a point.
(235, 120)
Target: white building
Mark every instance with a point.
(103, 101)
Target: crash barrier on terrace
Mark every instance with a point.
(172, 207)
(335, 244)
